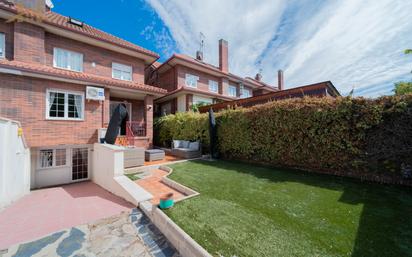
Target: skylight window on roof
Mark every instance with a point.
(76, 22)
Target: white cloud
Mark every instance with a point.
(352, 43)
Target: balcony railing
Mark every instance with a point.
(135, 129)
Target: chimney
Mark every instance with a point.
(281, 83)
(38, 6)
(199, 55)
(223, 56)
(258, 76)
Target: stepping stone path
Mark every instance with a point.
(127, 234)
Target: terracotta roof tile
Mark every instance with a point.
(61, 21)
(84, 77)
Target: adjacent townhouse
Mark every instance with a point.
(61, 79)
(191, 81)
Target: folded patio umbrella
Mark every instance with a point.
(117, 121)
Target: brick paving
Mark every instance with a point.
(156, 187)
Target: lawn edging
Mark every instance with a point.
(184, 244)
(179, 187)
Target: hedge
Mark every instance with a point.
(357, 137)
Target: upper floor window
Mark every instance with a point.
(62, 105)
(245, 93)
(68, 60)
(213, 86)
(191, 80)
(121, 71)
(232, 91)
(2, 45)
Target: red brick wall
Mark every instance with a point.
(149, 108)
(29, 43)
(203, 82)
(24, 99)
(167, 80)
(102, 58)
(137, 108)
(8, 30)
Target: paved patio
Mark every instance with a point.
(127, 234)
(154, 185)
(49, 210)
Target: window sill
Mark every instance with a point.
(63, 119)
(123, 79)
(67, 69)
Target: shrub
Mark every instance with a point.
(183, 126)
(367, 138)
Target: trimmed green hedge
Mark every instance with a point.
(358, 137)
(183, 126)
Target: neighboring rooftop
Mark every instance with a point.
(325, 88)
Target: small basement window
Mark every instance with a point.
(52, 158)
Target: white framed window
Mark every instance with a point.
(232, 91)
(49, 158)
(2, 45)
(213, 86)
(64, 105)
(191, 80)
(69, 60)
(122, 72)
(245, 93)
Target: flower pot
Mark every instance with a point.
(166, 201)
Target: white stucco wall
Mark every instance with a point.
(181, 103)
(14, 163)
(108, 172)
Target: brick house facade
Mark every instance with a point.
(49, 61)
(191, 81)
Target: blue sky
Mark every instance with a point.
(355, 44)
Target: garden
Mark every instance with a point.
(250, 210)
(299, 177)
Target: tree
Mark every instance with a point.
(403, 88)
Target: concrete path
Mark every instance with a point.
(49, 210)
(128, 234)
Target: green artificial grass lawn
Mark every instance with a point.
(249, 210)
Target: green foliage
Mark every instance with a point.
(182, 126)
(345, 136)
(195, 107)
(403, 88)
(408, 51)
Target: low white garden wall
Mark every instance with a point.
(108, 172)
(14, 163)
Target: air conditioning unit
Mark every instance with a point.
(95, 93)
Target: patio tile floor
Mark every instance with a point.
(48, 210)
(154, 185)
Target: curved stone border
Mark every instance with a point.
(184, 244)
(178, 187)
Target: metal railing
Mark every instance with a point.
(135, 129)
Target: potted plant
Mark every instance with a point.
(166, 201)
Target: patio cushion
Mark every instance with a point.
(177, 143)
(187, 150)
(194, 145)
(184, 144)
